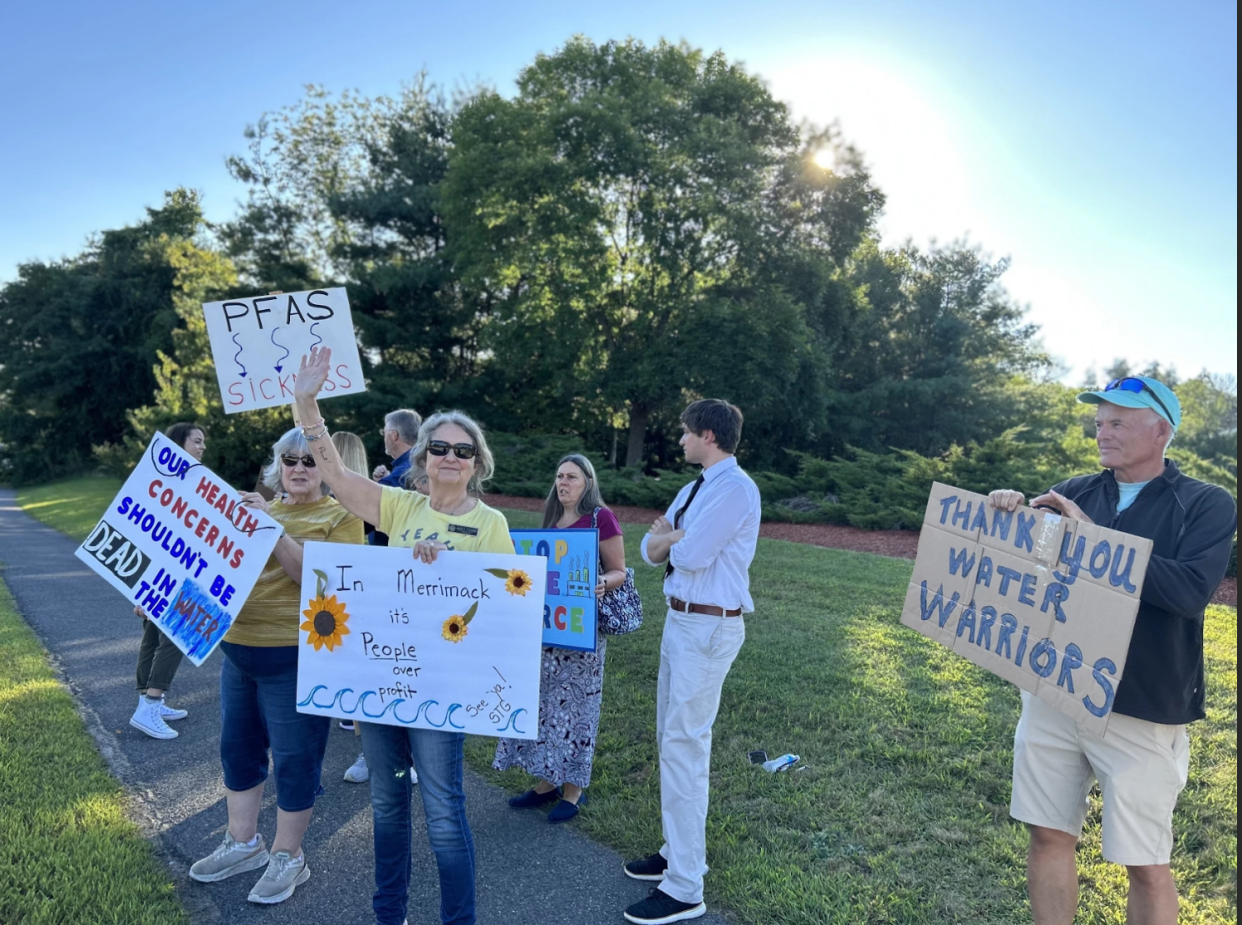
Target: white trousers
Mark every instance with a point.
(695, 655)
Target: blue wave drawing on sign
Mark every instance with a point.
(338, 702)
(511, 723)
(195, 619)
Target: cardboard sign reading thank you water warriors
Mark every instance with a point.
(257, 343)
(569, 602)
(454, 645)
(178, 543)
(1045, 602)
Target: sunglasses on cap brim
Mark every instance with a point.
(1137, 386)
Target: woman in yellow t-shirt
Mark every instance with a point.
(258, 686)
(453, 453)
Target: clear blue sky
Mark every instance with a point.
(1095, 144)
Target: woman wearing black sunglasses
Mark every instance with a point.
(258, 686)
(453, 453)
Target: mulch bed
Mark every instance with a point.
(900, 544)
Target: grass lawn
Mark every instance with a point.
(901, 816)
(67, 852)
(72, 507)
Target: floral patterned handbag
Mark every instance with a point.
(621, 609)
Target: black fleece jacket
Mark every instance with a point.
(1191, 525)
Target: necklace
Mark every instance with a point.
(456, 509)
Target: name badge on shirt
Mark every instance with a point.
(462, 528)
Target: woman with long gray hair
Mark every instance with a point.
(571, 688)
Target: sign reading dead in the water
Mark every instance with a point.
(178, 542)
(1044, 602)
(258, 341)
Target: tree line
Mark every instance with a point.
(635, 226)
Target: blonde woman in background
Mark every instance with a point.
(354, 458)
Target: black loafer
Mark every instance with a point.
(564, 810)
(532, 798)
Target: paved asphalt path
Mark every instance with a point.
(529, 872)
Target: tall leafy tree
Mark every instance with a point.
(624, 211)
(932, 348)
(80, 337)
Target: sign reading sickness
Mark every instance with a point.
(569, 602)
(177, 542)
(258, 342)
(1044, 602)
(454, 645)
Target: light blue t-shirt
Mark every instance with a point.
(1129, 491)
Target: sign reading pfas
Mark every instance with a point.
(257, 343)
(1045, 602)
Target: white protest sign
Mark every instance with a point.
(257, 343)
(177, 542)
(1044, 602)
(455, 645)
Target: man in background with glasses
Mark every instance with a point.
(400, 433)
(1142, 761)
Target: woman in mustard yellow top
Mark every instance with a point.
(258, 686)
(453, 453)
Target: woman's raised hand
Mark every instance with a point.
(313, 372)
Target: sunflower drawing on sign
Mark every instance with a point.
(454, 628)
(325, 617)
(517, 582)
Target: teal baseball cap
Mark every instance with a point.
(1138, 392)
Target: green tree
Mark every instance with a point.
(626, 213)
(80, 336)
(930, 351)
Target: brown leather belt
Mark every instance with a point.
(710, 610)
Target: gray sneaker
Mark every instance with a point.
(232, 857)
(357, 772)
(284, 874)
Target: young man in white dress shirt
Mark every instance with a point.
(706, 543)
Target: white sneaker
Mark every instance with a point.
(171, 714)
(284, 874)
(147, 718)
(357, 772)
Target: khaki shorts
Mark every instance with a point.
(1141, 768)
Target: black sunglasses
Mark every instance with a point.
(460, 450)
(1137, 386)
(291, 460)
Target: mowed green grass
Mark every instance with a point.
(72, 507)
(901, 815)
(67, 852)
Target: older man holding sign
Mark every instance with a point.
(1142, 759)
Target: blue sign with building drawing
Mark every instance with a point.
(569, 601)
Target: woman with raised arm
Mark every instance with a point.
(259, 718)
(571, 686)
(452, 451)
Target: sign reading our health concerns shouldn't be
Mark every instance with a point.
(178, 543)
(1044, 602)
(257, 344)
(454, 645)
(569, 601)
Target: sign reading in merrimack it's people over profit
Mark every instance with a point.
(1044, 602)
(257, 343)
(177, 542)
(454, 645)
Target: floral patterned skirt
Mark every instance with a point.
(571, 690)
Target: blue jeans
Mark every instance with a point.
(258, 711)
(437, 756)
